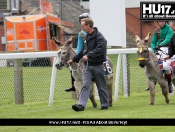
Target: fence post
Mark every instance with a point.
(52, 85)
(18, 81)
(126, 75)
(117, 77)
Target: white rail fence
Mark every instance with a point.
(124, 52)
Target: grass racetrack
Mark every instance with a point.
(36, 99)
(126, 107)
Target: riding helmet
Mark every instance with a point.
(84, 15)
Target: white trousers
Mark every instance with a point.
(166, 65)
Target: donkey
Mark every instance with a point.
(149, 61)
(65, 53)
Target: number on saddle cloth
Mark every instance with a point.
(107, 68)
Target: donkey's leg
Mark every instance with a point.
(165, 90)
(109, 82)
(151, 86)
(91, 96)
(78, 87)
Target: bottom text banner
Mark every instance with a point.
(87, 122)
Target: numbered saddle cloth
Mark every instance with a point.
(107, 68)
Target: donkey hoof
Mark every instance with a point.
(110, 105)
(167, 102)
(95, 105)
(151, 104)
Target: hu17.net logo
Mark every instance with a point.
(157, 10)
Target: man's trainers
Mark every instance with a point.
(104, 108)
(78, 107)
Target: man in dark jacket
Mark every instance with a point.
(93, 54)
(171, 49)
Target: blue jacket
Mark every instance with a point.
(80, 41)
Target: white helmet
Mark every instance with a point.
(84, 15)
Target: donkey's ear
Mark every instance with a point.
(70, 40)
(147, 37)
(56, 41)
(137, 39)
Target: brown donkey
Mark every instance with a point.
(149, 61)
(65, 53)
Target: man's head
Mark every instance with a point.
(84, 15)
(87, 25)
(172, 25)
(161, 23)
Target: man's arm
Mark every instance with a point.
(171, 49)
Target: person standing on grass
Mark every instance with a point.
(93, 54)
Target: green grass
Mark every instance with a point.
(36, 82)
(126, 107)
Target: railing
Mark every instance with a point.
(39, 90)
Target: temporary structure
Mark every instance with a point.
(33, 32)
